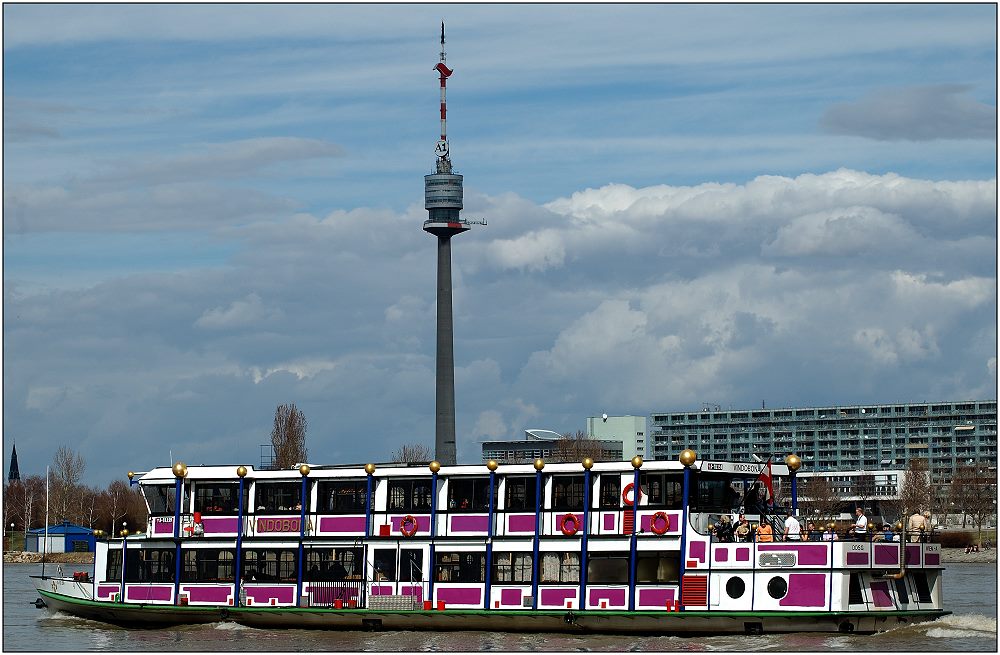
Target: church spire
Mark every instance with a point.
(13, 474)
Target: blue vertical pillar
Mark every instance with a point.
(369, 508)
(687, 458)
(587, 463)
(303, 502)
(124, 564)
(180, 470)
(633, 544)
(241, 472)
(535, 571)
(435, 466)
(492, 466)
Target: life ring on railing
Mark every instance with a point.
(627, 490)
(569, 524)
(657, 519)
(408, 520)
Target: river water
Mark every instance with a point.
(970, 592)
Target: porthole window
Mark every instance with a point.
(735, 587)
(777, 587)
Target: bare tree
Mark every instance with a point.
(411, 453)
(974, 489)
(819, 498)
(864, 489)
(915, 493)
(67, 469)
(288, 436)
(574, 448)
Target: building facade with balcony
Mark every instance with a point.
(947, 435)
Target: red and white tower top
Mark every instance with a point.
(442, 146)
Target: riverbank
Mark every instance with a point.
(23, 557)
(959, 556)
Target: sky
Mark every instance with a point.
(211, 210)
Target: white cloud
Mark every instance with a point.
(238, 314)
(840, 232)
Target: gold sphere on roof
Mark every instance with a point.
(123, 533)
(492, 465)
(687, 457)
(539, 464)
(588, 463)
(794, 462)
(131, 474)
(369, 468)
(434, 466)
(304, 469)
(241, 471)
(180, 470)
(636, 462)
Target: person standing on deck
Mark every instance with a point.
(793, 529)
(764, 532)
(860, 531)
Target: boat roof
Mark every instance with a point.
(165, 474)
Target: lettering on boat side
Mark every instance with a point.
(278, 525)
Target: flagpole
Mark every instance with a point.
(45, 544)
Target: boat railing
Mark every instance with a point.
(345, 593)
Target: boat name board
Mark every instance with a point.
(279, 525)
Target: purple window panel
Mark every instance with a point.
(511, 597)
(696, 550)
(880, 594)
(220, 594)
(342, 524)
(615, 597)
(470, 523)
(657, 598)
(857, 559)
(521, 523)
(805, 590)
(556, 597)
(743, 554)
(220, 525)
(460, 595)
(809, 555)
(720, 554)
(149, 592)
(886, 555)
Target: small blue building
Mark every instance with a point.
(63, 538)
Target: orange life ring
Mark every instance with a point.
(567, 529)
(625, 492)
(658, 518)
(412, 522)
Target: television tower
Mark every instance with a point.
(443, 201)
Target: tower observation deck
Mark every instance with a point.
(443, 201)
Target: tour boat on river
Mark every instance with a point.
(543, 547)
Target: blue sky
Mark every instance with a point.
(213, 209)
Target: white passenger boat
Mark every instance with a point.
(543, 547)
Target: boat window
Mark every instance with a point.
(460, 567)
(520, 494)
(342, 496)
(149, 565)
(923, 589)
(560, 567)
(113, 572)
(662, 490)
(271, 565)
(278, 497)
(607, 568)
(512, 567)
(611, 490)
(409, 496)
(208, 565)
(469, 495)
(567, 492)
(384, 563)
(714, 494)
(658, 567)
(411, 565)
(161, 498)
(332, 564)
(220, 498)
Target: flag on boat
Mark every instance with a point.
(765, 477)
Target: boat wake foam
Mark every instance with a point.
(966, 625)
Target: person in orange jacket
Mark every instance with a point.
(764, 532)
